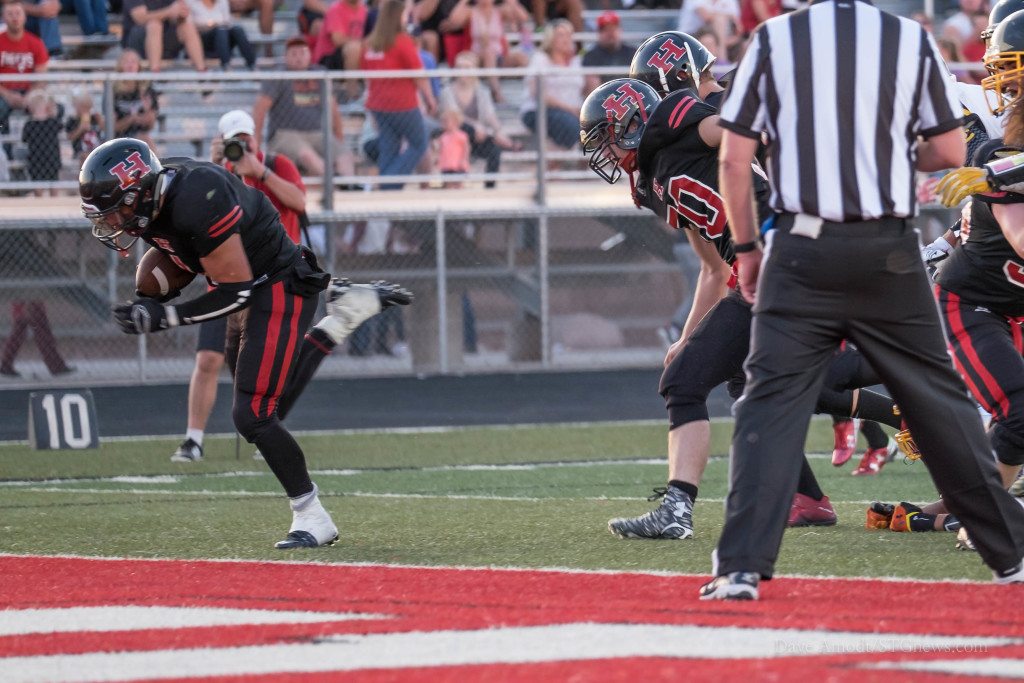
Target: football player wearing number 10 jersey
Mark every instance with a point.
(669, 149)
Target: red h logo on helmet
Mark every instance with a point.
(667, 56)
(130, 170)
(619, 106)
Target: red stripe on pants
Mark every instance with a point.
(270, 348)
(956, 325)
(286, 362)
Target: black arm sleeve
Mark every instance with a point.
(222, 300)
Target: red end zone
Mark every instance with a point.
(90, 620)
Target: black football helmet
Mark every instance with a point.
(670, 61)
(1004, 59)
(1000, 11)
(118, 187)
(615, 113)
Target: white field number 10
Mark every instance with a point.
(66, 421)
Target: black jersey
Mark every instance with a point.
(985, 270)
(204, 205)
(677, 172)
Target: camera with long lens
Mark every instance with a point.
(235, 148)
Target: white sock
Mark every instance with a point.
(195, 434)
(300, 503)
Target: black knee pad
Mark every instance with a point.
(249, 425)
(680, 414)
(1009, 447)
(736, 385)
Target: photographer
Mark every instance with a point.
(236, 149)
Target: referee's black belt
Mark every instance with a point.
(888, 226)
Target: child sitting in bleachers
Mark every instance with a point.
(41, 134)
(453, 146)
(84, 127)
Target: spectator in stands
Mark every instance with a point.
(265, 15)
(609, 51)
(709, 39)
(41, 134)
(479, 118)
(160, 29)
(85, 127)
(393, 102)
(20, 53)
(950, 51)
(293, 111)
(487, 38)
(442, 24)
(453, 146)
(925, 20)
(25, 315)
(92, 15)
(135, 102)
(549, 10)
(311, 19)
(339, 40)
(278, 178)
(723, 16)
(563, 91)
(960, 25)
(219, 34)
(41, 20)
(753, 13)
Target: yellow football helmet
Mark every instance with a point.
(1004, 60)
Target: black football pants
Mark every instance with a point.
(864, 282)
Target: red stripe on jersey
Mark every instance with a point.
(676, 117)
(963, 340)
(270, 348)
(286, 361)
(224, 224)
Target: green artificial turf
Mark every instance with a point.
(524, 497)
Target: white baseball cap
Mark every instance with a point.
(235, 123)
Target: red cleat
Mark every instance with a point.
(872, 462)
(846, 441)
(809, 512)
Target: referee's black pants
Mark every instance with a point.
(864, 282)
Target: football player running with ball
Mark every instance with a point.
(212, 223)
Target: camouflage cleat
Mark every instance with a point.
(670, 520)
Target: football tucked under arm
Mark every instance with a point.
(159, 277)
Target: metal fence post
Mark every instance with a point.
(542, 136)
(442, 291)
(327, 98)
(543, 275)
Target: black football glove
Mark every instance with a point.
(141, 316)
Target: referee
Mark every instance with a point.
(844, 92)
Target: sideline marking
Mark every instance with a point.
(511, 645)
(137, 618)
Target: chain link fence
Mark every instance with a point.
(522, 261)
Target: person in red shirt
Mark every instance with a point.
(338, 42)
(279, 179)
(393, 101)
(20, 53)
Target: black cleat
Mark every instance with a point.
(302, 539)
(391, 294)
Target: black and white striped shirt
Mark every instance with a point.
(842, 89)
